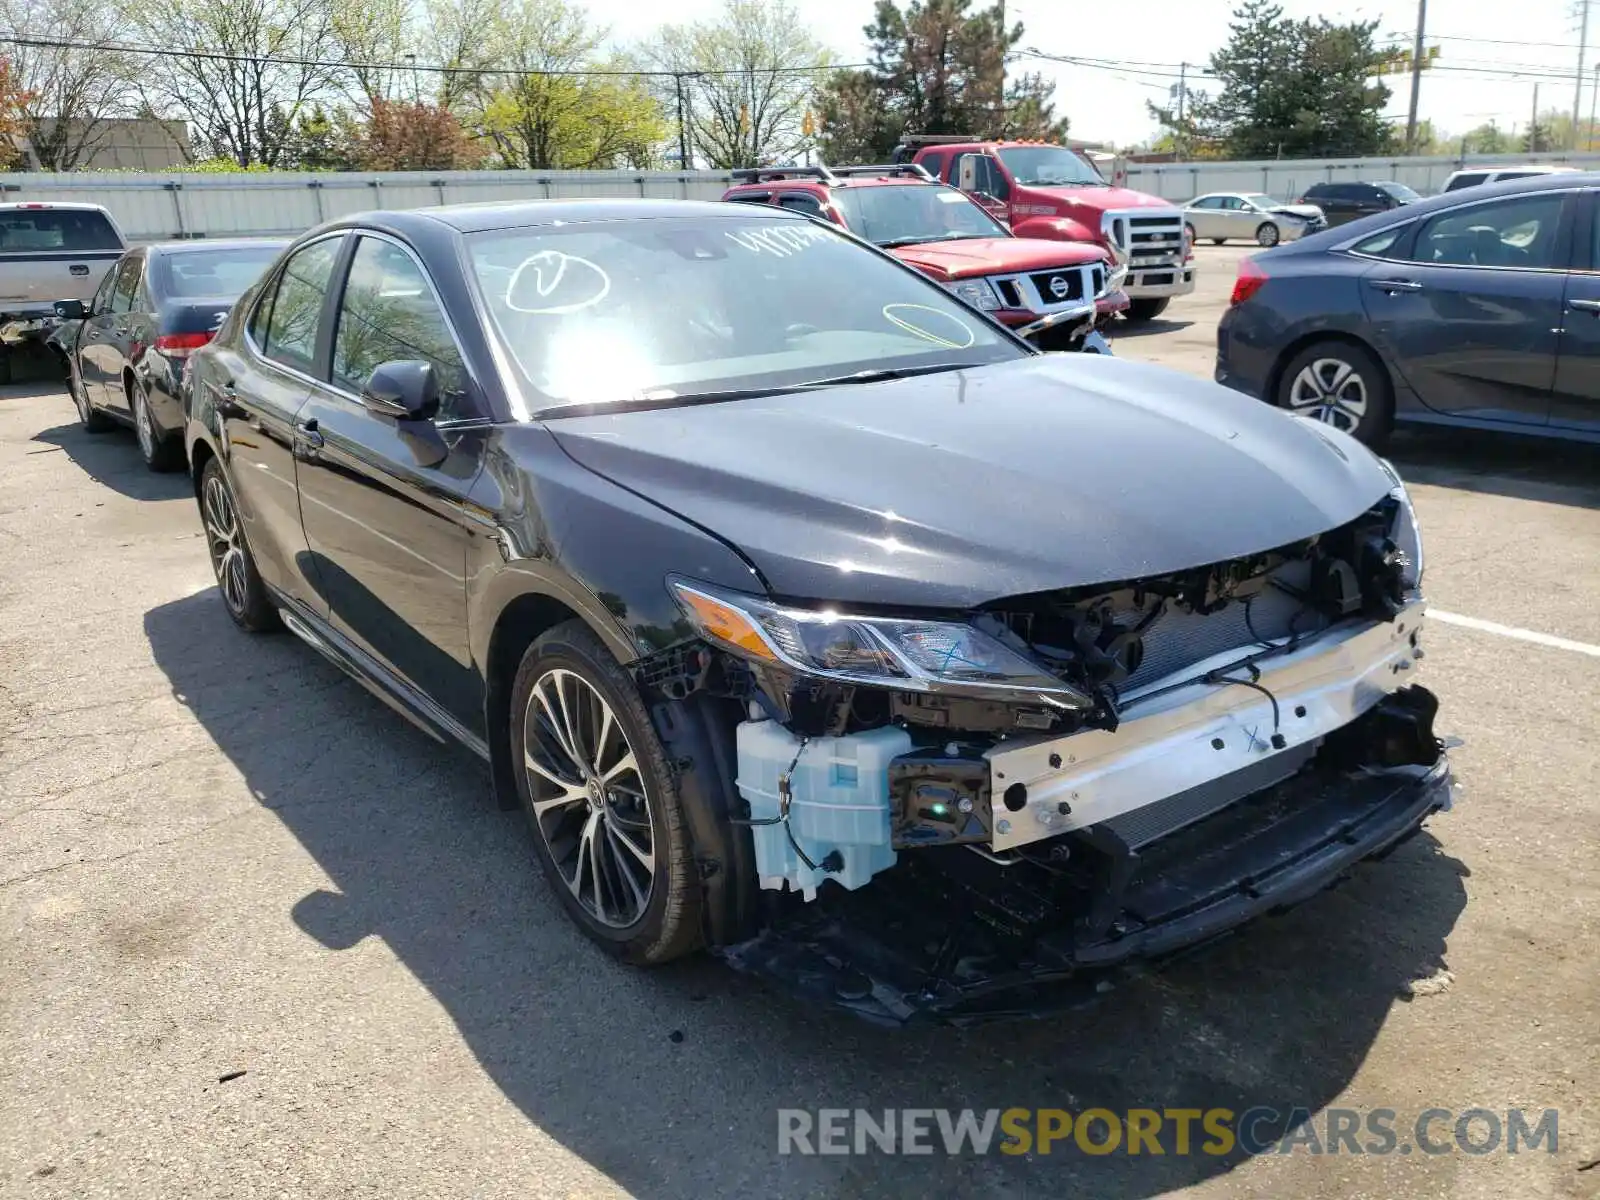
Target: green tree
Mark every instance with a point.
(1288, 89)
(1487, 139)
(936, 67)
(745, 82)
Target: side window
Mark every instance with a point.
(801, 202)
(127, 284)
(1207, 202)
(102, 298)
(1232, 203)
(388, 312)
(290, 315)
(998, 185)
(1382, 245)
(933, 163)
(1516, 232)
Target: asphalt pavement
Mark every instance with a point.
(259, 937)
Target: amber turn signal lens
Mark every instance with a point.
(726, 624)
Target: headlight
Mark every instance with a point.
(1407, 534)
(908, 655)
(978, 293)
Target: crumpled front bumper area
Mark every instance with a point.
(961, 936)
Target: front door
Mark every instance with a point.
(260, 391)
(388, 531)
(1472, 319)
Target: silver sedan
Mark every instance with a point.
(1250, 216)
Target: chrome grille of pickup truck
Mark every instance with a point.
(1151, 239)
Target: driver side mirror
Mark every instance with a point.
(71, 310)
(405, 389)
(967, 173)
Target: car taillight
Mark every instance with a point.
(1249, 282)
(181, 345)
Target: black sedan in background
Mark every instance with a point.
(155, 307)
(720, 535)
(1478, 308)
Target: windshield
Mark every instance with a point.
(1399, 191)
(898, 215)
(211, 274)
(1261, 201)
(652, 310)
(1046, 166)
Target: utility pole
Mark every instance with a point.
(1533, 125)
(1183, 97)
(1594, 96)
(683, 129)
(1416, 78)
(1583, 44)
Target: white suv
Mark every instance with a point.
(1499, 174)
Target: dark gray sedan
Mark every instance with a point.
(1478, 308)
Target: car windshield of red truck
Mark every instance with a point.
(1049, 166)
(905, 214)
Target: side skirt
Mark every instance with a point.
(399, 695)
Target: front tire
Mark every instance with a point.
(608, 825)
(1147, 309)
(90, 417)
(244, 595)
(1267, 234)
(160, 450)
(1341, 384)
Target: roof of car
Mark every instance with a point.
(185, 247)
(1496, 168)
(858, 181)
(519, 214)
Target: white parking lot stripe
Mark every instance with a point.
(1511, 631)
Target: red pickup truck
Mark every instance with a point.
(1046, 191)
(1023, 282)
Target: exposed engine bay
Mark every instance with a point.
(1094, 776)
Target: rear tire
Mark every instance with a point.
(160, 450)
(243, 594)
(1341, 384)
(608, 825)
(1147, 309)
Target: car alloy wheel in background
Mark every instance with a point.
(160, 450)
(142, 425)
(1330, 390)
(224, 542)
(589, 799)
(1267, 234)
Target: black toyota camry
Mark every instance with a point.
(809, 615)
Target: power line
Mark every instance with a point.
(408, 65)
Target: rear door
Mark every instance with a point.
(94, 334)
(1472, 315)
(129, 330)
(1575, 402)
(286, 341)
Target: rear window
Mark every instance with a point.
(221, 274)
(28, 230)
(1464, 181)
(1501, 176)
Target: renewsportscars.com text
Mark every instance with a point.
(1175, 1131)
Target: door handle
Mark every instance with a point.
(1589, 306)
(307, 437)
(1392, 286)
(78, 269)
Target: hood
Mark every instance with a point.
(995, 256)
(945, 491)
(1098, 199)
(1310, 211)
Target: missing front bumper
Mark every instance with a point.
(956, 936)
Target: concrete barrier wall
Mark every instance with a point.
(1288, 180)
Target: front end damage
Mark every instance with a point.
(1114, 775)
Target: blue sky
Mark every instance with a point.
(1493, 53)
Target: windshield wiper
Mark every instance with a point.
(875, 374)
(892, 243)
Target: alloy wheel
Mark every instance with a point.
(1267, 235)
(142, 425)
(225, 544)
(589, 798)
(1332, 391)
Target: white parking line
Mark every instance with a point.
(1511, 631)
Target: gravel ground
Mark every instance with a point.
(258, 937)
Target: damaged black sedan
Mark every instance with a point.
(809, 615)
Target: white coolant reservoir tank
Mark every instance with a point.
(839, 802)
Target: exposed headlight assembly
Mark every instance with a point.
(908, 655)
(977, 292)
(1407, 534)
